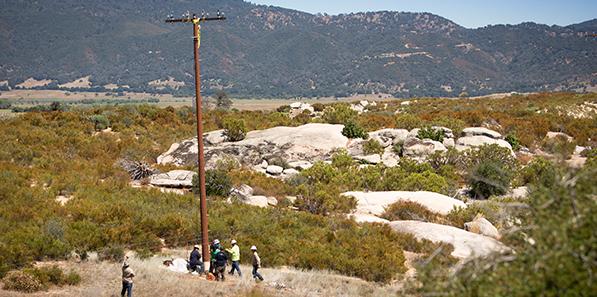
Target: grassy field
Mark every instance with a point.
(27, 98)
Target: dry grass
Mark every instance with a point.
(102, 279)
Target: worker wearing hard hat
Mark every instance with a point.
(234, 252)
(256, 264)
(195, 263)
(215, 248)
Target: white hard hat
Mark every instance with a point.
(253, 248)
(216, 241)
(233, 241)
(196, 246)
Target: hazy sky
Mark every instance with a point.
(468, 13)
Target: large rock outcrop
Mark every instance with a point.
(173, 179)
(481, 225)
(309, 142)
(466, 244)
(478, 136)
(374, 203)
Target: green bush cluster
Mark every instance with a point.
(217, 183)
(539, 171)
(234, 129)
(513, 141)
(339, 114)
(100, 122)
(408, 121)
(372, 146)
(353, 130)
(345, 175)
(431, 133)
(491, 170)
(408, 210)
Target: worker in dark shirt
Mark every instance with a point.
(195, 263)
(221, 259)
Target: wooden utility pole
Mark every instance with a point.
(196, 21)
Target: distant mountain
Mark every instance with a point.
(268, 51)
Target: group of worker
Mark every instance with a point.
(219, 260)
(217, 265)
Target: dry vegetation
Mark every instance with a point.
(53, 153)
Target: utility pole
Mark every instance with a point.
(195, 21)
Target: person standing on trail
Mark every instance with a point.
(256, 264)
(127, 278)
(235, 258)
(215, 248)
(221, 260)
(195, 260)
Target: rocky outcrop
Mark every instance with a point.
(260, 201)
(374, 203)
(298, 108)
(388, 137)
(478, 136)
(481, 225)
(419, 149)
(466, 244)
(173, 179)
(311, 142)
(362, 106)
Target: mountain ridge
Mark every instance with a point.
(266, 51)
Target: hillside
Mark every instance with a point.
(469, 194)
(269, 51)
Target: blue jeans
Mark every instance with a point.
(235, 266)
(127, 288)
(256, 274)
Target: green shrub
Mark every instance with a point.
(217, 183)
(39, 278)
(22, 282)
(513, 141)
(234, 129)
(283, 108)
(339, 114)
(398, 148)
(539, 171)
(492, 152)
(318, 107)
(488, 179)
(431, 133)
(72, 279)
(342, 160)
(112, 253)
(559, 146)
(277, 161)
(408, 121)
(5, 104)
(489, 209)
(408, 210)
(425, 181)
(353, 130)
(372, 146)
(323, 199)
(100, 122)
